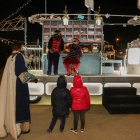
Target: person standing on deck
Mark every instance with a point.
(74, 52)
(55, 46)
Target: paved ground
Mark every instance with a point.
(100, 125)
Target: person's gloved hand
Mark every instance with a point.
(36, 80)
(77, 51)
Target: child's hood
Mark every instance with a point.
(77, 81)
(61, 82)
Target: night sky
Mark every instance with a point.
(34, 31)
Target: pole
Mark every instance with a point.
(45, 6)
(38, 41)
(89, 12)
(25, 36)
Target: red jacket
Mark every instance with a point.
(80, 95)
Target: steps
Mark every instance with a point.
(121, 100)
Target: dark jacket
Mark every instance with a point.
(61, 98)
(61, 47)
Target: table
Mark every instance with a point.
(110, 61)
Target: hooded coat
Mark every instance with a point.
(61, 98)
(80, 95)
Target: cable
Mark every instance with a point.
(17, 10)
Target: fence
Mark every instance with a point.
(35, 66)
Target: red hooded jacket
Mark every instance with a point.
(80, 95)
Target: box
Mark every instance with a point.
(76, 26)
(69, 26)
(54, 26)
(84, 41)
(61, 26)
(91, 40)
(98, 33)
(46, 26)
(84, 26)
(46, 40)
(83, 34)
(69, 33)
(98, 41)
(46, 33)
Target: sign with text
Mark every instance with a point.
(89, 4)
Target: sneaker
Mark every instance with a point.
(49, 130)
(82, 130)
(74, 131)
(61, 130)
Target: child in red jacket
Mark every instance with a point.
(80, 102)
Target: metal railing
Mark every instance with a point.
(35, 65)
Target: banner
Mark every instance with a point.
(89, 4)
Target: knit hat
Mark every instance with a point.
(57, 32)
(76, 39)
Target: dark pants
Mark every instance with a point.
(76, 117)
(54, 121)
(51, 58)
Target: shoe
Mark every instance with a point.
(74, 131)
(55, 74)
(82, 130)
(48, 74)
(67, 74)
(25, 132)
(19, 135)
(61, 130)
(49, 130)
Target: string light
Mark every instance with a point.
(6, 40)
(124, 25)
(107, 15)
(41, 17)
(17, 10)
(135, 18)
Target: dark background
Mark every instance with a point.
(34, 31)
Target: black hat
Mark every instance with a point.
(57, 32)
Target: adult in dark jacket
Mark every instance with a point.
(61, 102)
(80, 102)
(55, 46)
